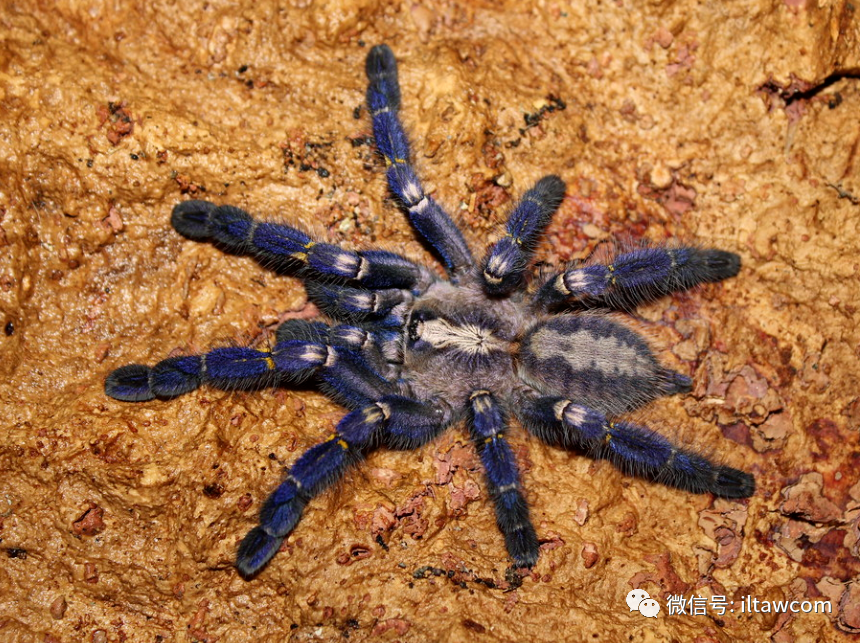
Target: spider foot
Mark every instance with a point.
(384, 88)
(130, 384)
(256, 549)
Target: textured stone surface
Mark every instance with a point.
(732, 124)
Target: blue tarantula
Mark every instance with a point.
(410, 353)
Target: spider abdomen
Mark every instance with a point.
(596, 361)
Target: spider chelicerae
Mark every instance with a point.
(409, 353)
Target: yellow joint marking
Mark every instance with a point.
(608, 426)
(517, 240)
(399, 160)
(310, 244)
(301, 256)
(387, 161)
(343, 444)
(270, 363)
(478, 393)
(488, 440)
(611, 268)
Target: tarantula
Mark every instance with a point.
(409, 353)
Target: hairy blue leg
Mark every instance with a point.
(508, 258)
(385, 269)
(411, 423)
(397, 421)
(224, 368)
(348, 304)
(427, 216)
(129, 383)
(302, 349)
(381, 348)
(299, 350)
(635, 450)
(351, 380)
(314, 471)
(384, 342)
(282, 246)
(487, 425)
(393, 320)
(374, 342)
(639, 276)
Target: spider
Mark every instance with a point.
(409, 353)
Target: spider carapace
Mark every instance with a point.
(409, 353)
